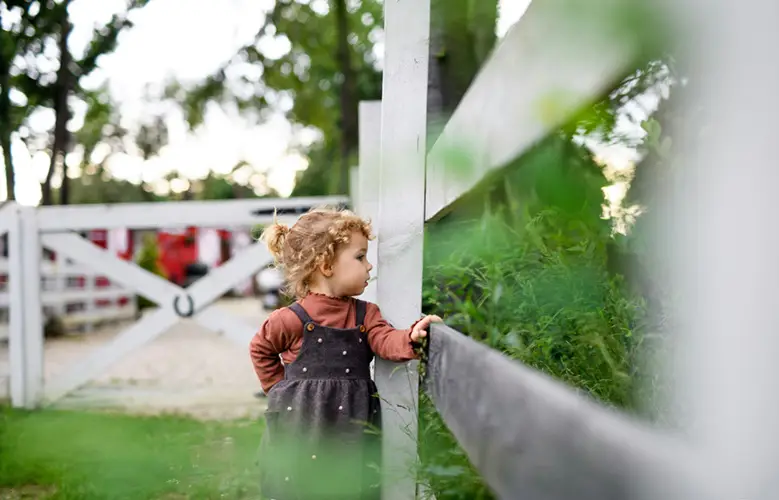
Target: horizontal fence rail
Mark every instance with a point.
(170, 214)
(548, 66)
(531, 437)
(78, 305)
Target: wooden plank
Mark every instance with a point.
(75, 320)
(33, 309)
(547, 66)
(72, 269)
(98, 361)
(401, 225)
(50, 268)
(16, 337)
(218, 281)
(722, 264)
(230, 213)
(221, 279)
(370, 168)
(368, 187)
(53, 269)
(354, 187)
(26, 314)
(120, 271)
(74, 296)
(532, 437)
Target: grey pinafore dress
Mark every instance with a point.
(322, 438)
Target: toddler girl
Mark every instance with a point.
(313, 360)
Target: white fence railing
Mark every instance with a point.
(31, 229)
(401, 186)
(531, 437)
(73, 293)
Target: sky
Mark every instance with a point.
(198, 40)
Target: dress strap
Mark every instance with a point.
(360, 313)
(301, 314)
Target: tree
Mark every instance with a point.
(99, 186)
(317, 62)
(24, 37)
(60, 94)
(151, 138)
(41, 24)
(101, 127)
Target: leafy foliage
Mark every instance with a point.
(100, 187)
(293, 67)
(531, 279)
(148, 259)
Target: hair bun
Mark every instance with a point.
(274, 237)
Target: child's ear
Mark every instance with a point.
(326, 269)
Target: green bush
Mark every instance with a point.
(529, 277)
(149, 259)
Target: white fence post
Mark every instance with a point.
(354, 187)
(16, 349)
(367, 189)
(368, 179)
(401, 228)
(25, 311)
(721, 218)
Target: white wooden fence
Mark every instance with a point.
(30, 229)
(401, 187)
(70, 292)
(562, 445)
(734, 454)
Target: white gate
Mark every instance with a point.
(30, 229)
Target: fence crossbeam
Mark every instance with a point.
(533, 437)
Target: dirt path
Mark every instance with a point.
(187, 370)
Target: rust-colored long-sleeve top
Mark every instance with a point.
(282, 334)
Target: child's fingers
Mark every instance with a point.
(418, 333)
(431, 318)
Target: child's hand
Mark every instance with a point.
(420, 329)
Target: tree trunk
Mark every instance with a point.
(484, 21)
(62, 115)
(348, 96)
(462, 35)
(5, 143)
(6, 128)
(10, 181)
(436, 116)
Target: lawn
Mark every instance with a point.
(76, 455)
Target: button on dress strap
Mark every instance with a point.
(360, 313)
(302, 314)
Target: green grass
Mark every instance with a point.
(61, 455)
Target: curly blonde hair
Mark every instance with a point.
(312, 241)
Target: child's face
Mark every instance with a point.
(351, 269)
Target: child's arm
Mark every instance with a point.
(391, 343)
(272, 339)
